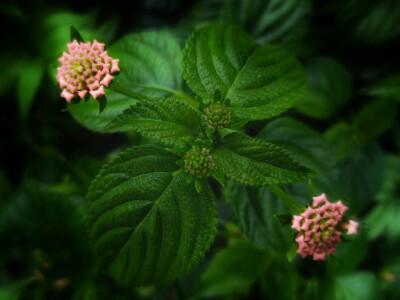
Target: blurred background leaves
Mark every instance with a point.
(346, 128)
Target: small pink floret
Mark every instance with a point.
(85, 69)
(319, 199)
(97, 93)
(320, 226)
(353, 226)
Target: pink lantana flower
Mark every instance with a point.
(85, 69)
(320, 227)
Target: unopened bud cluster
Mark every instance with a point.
(85, 69)
(217, 116)
(320, 227)
(198, 162)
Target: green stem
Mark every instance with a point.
(185, 97)
(287, 199)
(118, 88)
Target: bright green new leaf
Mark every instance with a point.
(260, 82)
(166, 120)
(87, 113)
(232, 270)
(150, 63)
(330, 88)
(253, 210)
(254, 162)
(269, 21)
(147, 226)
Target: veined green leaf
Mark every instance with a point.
(87, 113)
(374, 119)
(253, 210)
(330, 88)
(260, 82)
(232, 270)
(307, 146)
(254, 162)
(269, 21)
(146, 225)
(150, 63)
(166, 120)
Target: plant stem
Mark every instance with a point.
(287, 199)
(118, 88)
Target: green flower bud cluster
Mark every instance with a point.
(217, 116)
(198, 162)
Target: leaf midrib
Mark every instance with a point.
(147, 215)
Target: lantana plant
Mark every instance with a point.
(151, 212)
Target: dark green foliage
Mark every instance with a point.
(169, 121)
(148, 226)
(254, 162)
(162, 221)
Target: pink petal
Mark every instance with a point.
(353, 225)
(106, 80)
(115, 67)
(97, 93)
(67, 95)
(319, 199)
(319, 256)
(296, 222)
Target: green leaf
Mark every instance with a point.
(253, 210)
(166, 120)
(374, 119)
(269, 21)
(30, 77)
(102, 103)
(254, 162)
(75, 35)
(388, 87)
(51, 221)
(384, 217)
(87, 113)
(14, 291)
(340, 139)
(232, 270)
(150, 63)
(260, 82)
(355, 286)
(306, 146)
(147, 226)
(370, 22)
(330, 88)
(361, 176)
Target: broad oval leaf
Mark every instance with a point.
(269, 21)
(330, 88)
(307, 146)
(261, 82)
(148, 226)
(232, 270)
(150, 63)
(253, 210)
(166, 120)
(87, 113)
(254, 162)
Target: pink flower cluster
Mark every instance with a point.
(320, 227)
(85, 69)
